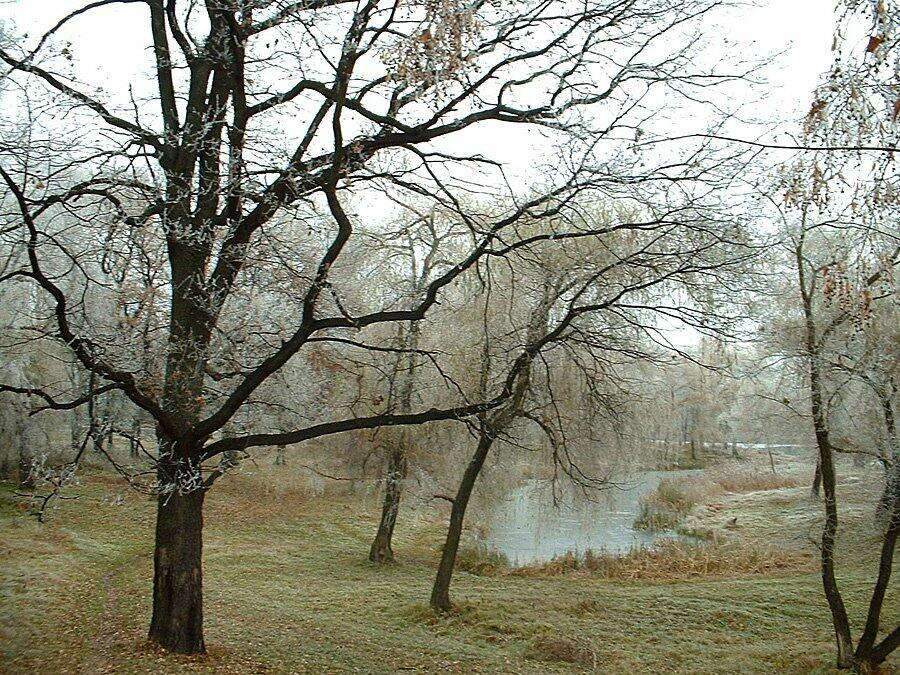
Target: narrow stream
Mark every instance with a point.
(528, 527)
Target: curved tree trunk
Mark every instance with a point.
(440, 592)
(177, 622)
(825, 468)
(866, 651)
(381, 550)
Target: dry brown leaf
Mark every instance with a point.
(874, 43)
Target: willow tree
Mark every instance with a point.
(594, 306)
(258, 113)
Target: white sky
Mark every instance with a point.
(110, 47)
(112, 41)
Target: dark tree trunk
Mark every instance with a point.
(866, 651)
(693, 449)
(816, 488)
(825, 469)
(134, 441)
(381, 550)
(177, 622)
(891, 460)
(440, 593)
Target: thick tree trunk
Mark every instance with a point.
(177, 622)
(381, 550)
(440, 593)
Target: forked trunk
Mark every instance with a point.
(177, 622)
(867, 652)
(440, 593)
(825, 470)
(381, 550)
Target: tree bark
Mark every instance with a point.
(866, 652)
(381, 550)
(440, 592)
(825, 467)
(177, 622)
(890, 459)
(816, 488)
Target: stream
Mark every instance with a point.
(527, 527)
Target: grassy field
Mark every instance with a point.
(288, 589)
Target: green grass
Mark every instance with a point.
(288, 589)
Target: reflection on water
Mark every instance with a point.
(527, 527)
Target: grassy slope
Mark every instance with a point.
(288, 589)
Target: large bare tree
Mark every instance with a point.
(263, 124)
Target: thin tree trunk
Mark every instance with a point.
(381, 550)
(279, 456)
(890, 461)
(177, 622)
(816, 488)
(836, 605)
(134, 441)
(866, 652)
(440, 593)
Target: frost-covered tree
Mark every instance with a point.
(174, 200)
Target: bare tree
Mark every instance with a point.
(844, 251)
(262, 114)
(597, 304)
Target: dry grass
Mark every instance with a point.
(677, 560)
(666, 507)
(561, 649)
(289, 590)
(480, 560)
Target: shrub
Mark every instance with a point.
(481, 560)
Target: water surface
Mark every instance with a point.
(527, 527)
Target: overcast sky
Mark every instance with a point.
(113, 41)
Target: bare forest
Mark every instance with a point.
(441, 336)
